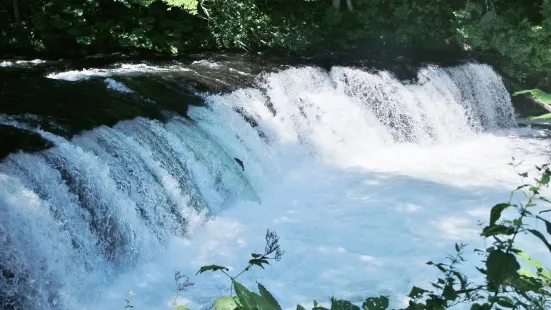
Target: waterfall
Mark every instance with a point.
(106, 201)
(349, 112)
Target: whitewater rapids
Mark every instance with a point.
(364, 177)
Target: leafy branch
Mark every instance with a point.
(272, 251)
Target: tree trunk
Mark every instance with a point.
(16, 11)
(349, 5)
(337, 4)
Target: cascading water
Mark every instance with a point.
(364, 177)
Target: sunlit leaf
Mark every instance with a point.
(225, 303)
(188, 5)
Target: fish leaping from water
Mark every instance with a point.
(240, 162)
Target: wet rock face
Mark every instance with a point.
(15, 139)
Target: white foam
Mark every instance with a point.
(360, 200)
(118, 86)
(351, 233)
(21, 63)
(364, 177)
(30, 62)
(206, 63)
(123, 69)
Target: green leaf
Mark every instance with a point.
(340, 304)
(495, 230)
(530, 261)
(259, 262)
(525, 284)
(541, 237)
(449, 293)
(225, 303)
(544, 199)
(440, 267)
(481, 307)
(250, 300)
(416, 292)
(299, 307)
(435, 302)
(189, 5)
(495, 214)
(264, 293)
(505, 301)
(500, 268)
(237, 302)
(547, 224)
(545, 178)
(536, 93)
(212, 268)
(376, 303)
(245, 296)
(524, 185)
(462, 279)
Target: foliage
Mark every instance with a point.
(188, 5)
(536, 93)
(70, 26)
(513, 279)
(514, 35)
(541, 98)
(545, 116)
(272, 251)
